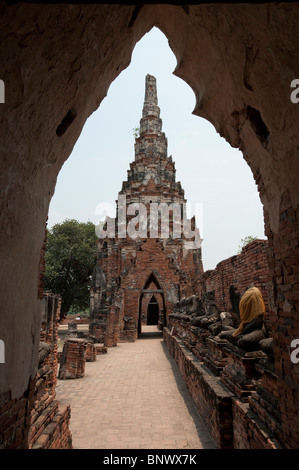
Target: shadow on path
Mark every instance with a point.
(199, 423)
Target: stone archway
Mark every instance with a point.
(239, 61)
(152, 299)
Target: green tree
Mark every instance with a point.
(69, 262)
(245, 241)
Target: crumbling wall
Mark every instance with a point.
(49, 423)
(232, 276)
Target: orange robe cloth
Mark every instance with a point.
(251, 306)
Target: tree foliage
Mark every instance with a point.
(245, 241)
(69, 262)
(136, 132)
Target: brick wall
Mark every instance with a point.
(15, 415)
(284, 314)
(36, 420)
(233, 400)
(212, 400)
(49, 423)
(249, 267)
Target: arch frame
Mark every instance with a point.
(153, 277)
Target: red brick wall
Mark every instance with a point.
(49, 422)
(15, 416)
(250, 433)
(211, 399)
(284, 314)
(36, 420)
(249, 267)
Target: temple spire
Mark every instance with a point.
(150, 122)
(151, 141)
(150, 106)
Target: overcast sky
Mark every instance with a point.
(214, 176)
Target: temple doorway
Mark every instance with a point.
(152, 308)
(153, 312)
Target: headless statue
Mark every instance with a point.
(252, 327)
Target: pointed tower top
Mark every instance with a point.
(150, 106)
(151, 141)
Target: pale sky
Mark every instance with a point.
(213, 175)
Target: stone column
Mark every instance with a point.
(72, 362)
(111, 337)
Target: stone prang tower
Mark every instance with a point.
(149, 256)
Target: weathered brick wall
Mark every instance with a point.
(249, 432)
(212, 400)
(49, 423)
(36, 420)
(232, 398)
(249, 267)
(284, 314)
(15, 416)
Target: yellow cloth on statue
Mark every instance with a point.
(251, 306)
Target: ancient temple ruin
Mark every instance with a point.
(149, 256)
(222, 52)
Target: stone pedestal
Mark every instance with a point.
(239, 374)
(193, 337)
(201, 347)
(90, 353)
(264, 402)
(215, 358)
(129, 333)
(98, 322)
(100, 348)
(72, 361)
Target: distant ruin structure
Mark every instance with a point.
(149, 256)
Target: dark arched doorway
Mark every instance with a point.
(153, 312)
(156, 308)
